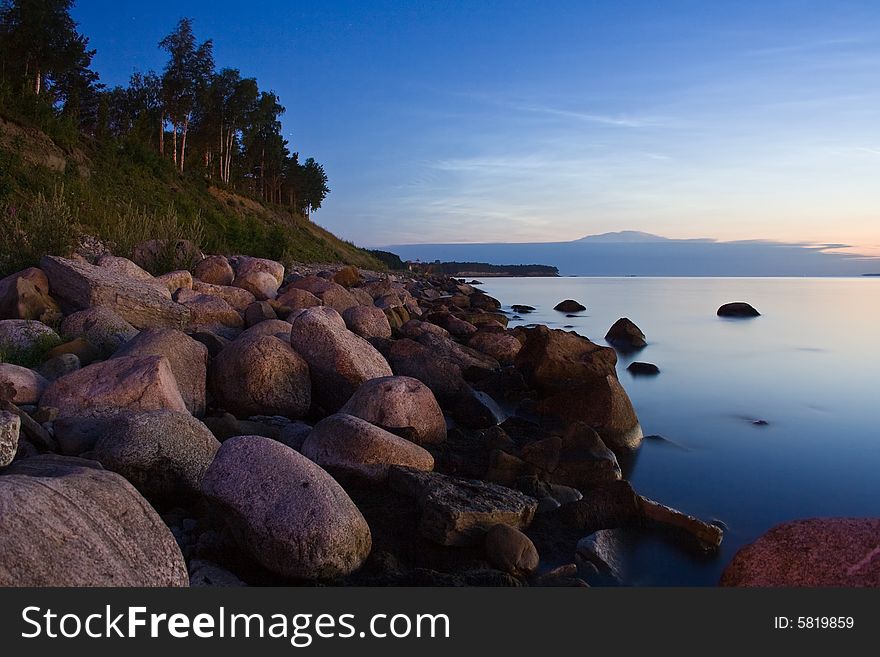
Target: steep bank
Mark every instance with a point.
(125, 194)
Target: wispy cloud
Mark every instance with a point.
(588, 117)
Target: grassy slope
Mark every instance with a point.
(128, 194)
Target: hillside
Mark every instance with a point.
(52, 191)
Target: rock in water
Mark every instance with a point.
(643, 369)
(78, 286)
(569, 306)
(737, 309)
(577, 380)
(261, 375)
(164, 454)
(287, 512)
(133, 383)
(840, 552)
(625, 335)
(460, 511)
(10, 428)
(67, 522)
(401, 405)
(339, 360)
(510, 550)
(188, 359)
(348, 445)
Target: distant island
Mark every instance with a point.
(877, 274)
(465, 269)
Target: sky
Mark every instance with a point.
(512, 121)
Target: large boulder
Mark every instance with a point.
(25, 295)
(338, 298)
(313, 284)
(100, 326)
(173, 281)
(839, 552)
(510, 550)
(260, 375)
(367, 321)
(66, 522)
(125, 267)
(737, 309)
(402, 405)
(577, 381)
(569, 306)
(339, 360)
(259, 283)
(188, 359)
(28, 385)
(296, 299)
(349, 446)
(23, 335)
(277, 327)
(132, 383)
(457, 511)
(209, 312)
(348, 276)
(79, 285)
(411, 358)
(286, 511)
(625, 335)
(164, 454)
(215, 270)
(245, 265)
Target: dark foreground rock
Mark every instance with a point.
(625, 335)
(643, 369)
(66, 522)
(737, 309)
(842, 552)
(569, 306)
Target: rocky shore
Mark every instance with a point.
(242, 423)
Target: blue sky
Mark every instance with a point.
(546, 121)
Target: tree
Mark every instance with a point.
(230, 101)
(184, 81)
(313, 182)
(41, 50)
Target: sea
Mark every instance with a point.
(755, 421)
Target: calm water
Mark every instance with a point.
(808, 366)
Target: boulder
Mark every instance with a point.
(296, 299)
(577, 380)
(100, 326)
(125, 267)
(348, 276)
(214, 270)
(510, 550)
(473, 364)
(484, 301)
(236, 297)
(133, 383)
(208, 312)
(58, 366)
(188, 359)
(410, 358)
(77, 435)
(28, 385)
(10, 429)
(584, 460)
(166, 255)
(838, 552)
(503, 347)
(402, 405)
(737, 309)
(338, 298)
(247, 265)
(625, 335)
(608, 505)
(23, 335)
(312, 284)
(25, 295)
(367, 322)
(455, 326)
(85, 351)
(259, 283)
(164, 454)
(277, 327)
(79, 285)
(258, 311)
(457, 511)
(69, 523)
(176, 280)
(287, 512)
(294, 434)
(569, 306)
(260, 375)
(213, 342)
(415, 328)
(349, 446)
(339, 360)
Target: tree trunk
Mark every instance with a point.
(162, 133)
(183, 144)
(174, 132)
(38, 82)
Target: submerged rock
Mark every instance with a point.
(644, 369)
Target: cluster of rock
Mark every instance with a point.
(241, 423)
